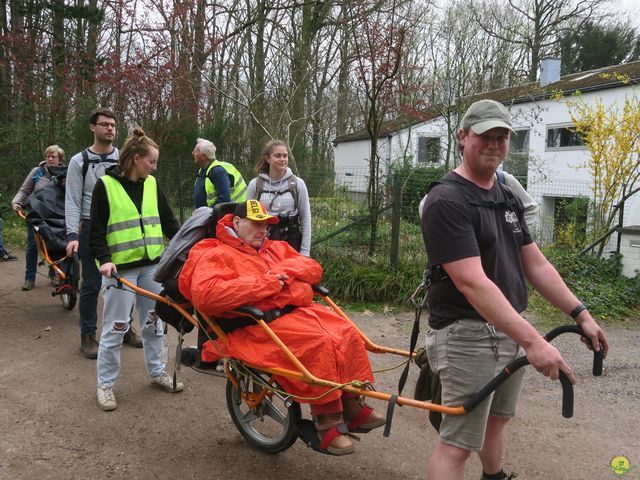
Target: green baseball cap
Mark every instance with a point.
(484, 115)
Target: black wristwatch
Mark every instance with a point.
(577, 311)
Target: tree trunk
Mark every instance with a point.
(59, 96)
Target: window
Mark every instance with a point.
(519, 142)
(563, 136)
(428, 149)
(517, 161)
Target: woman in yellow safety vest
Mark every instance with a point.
(130, 216)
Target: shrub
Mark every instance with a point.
(415, 181)
(365, 279)
(596, 281)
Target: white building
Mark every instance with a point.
(546, 152)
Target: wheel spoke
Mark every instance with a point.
(273, 412)
(248, 417)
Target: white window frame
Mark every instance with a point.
(436, 158)
(558, 126)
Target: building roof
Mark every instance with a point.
(614, 76)
(388, 127)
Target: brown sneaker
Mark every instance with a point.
(331, 432)
(359, 416)
(132, 338)
(28, 285)
(89, 345)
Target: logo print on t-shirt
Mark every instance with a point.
(511, 217)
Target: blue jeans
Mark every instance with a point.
(115, 323)
(91, 282)
(32, 255)
(3, 252)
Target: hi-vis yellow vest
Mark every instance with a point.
(133, 236)
(238, 189)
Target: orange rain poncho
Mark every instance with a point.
(225, 273)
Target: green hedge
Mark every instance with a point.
(598, 282)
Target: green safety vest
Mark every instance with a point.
(238, 189)
(133, 236)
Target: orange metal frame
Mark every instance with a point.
(44, 253)
(302, 374)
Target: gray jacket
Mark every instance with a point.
(79, 190)
(174, 256)
(31, 185)
(285, 204)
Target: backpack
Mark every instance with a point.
(39, 174)
(86, 161)
(288, 229)
(292, 187)
(509, 204)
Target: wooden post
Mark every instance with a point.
(396, 212)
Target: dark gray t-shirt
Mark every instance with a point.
(449, 235)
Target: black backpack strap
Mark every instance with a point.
(293, 188)
(85, 163)
(259, 186)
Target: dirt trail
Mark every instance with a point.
(52, 428)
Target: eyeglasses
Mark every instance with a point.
(106, 124)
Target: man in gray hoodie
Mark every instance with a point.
(84, 170)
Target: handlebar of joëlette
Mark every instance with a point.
(567, 387)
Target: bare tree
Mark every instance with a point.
(540, 26)
(378, 42)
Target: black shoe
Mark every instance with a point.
(7, 257)
(191, 358)
(89, 345)
(188, 356)
(132, 338)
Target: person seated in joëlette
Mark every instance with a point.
(241, 266)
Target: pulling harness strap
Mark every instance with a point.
(390, 407)
(419, 303)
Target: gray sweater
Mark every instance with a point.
(77, 201)
(285, 204)
(30, 185)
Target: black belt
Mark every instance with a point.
(230, 324)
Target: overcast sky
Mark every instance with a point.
(627, 8)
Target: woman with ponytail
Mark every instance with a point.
(130, 216)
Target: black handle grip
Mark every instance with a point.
(598, 356)
(321, 290)
(75, 271)
(484, 392)
(118, 278)
(567, 396)
(598, 359)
